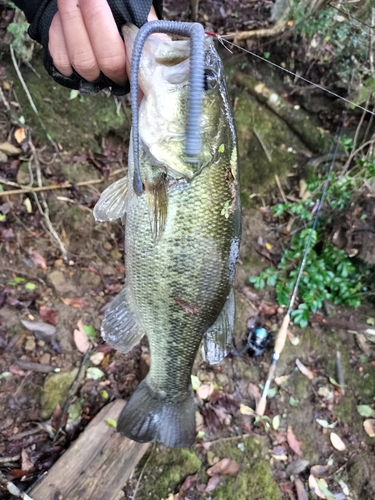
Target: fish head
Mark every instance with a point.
(163, 78)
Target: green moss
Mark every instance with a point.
(77, 124)
(266, 145)
(254, 481)
(166, 469)
(55, 390)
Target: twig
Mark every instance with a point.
(64, 185)
(261, 142)
(6, 460)
(12, 488)
(72, 391)
(230, 438)
(9, 183)
(28, 275)
(36, 367)
(45, 210)
(32, 104)
(340, 374)
(280, 188)
(141, 474)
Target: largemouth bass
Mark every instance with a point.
(181, 241)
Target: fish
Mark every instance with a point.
(182, 237)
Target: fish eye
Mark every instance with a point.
(210, 79)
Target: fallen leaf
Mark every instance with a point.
(337, 442)
(314, 487)
(325, 424)
(225, 466)
(111, 422)
(97, 358)
(365, 411)
(300, 489)
(276, 422)
(38, 259)
(294, 444)
(268, 310)
(9, 149)
(195, 382)
(20, 135)
(213, 482)
(49, 315)
(204, 391)
(322, 485)
(80, 338)
(303, 369)
(246, 410)
(282, 379)
(296, 467)
(94, 373)
(320, 470)
(76, 302)
(39, 326)
(27, 465)
(16, 370)
(253, 391)
(292, 338)
(189, 482)
(369, 426)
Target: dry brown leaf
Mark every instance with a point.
(9, 149)
(253, 391)
(48, 315)
(369, 426)
(280, 380)
(26, 463)
(38, 259)
(337, 442)
(20, 135)
(294, 444)
(76, 302)
(213, 482)
(320, 470)
(300, 489)
(246, 410)
(225, 466)
(80, 338)
(314, 487)
(204, 391)
(97, 358)
(303, 369)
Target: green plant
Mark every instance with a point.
(329, 273)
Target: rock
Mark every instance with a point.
(222, 379)
(30, 343)
(296, 467)
(89, 281)
(55, 390)
(45, 359)
(60, 282)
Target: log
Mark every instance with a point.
(96, 466)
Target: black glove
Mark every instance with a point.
(40, 17)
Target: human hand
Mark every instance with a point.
(84, 36)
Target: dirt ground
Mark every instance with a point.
(53, 295)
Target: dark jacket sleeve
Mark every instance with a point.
(40, 13)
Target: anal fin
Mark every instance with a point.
(120, 329)
(218, 338)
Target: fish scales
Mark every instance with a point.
(181, 242)
(189, 262)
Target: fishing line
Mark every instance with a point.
(223, 42)
(282, 333)
(349, 16)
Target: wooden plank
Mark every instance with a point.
(96, 466)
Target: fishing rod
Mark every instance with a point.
(282, 333)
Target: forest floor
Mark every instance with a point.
(59, 268)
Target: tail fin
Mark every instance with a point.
(149, 417)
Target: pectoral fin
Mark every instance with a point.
(218, 339)
(120, 328)
(112, 201)
(156, 195)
